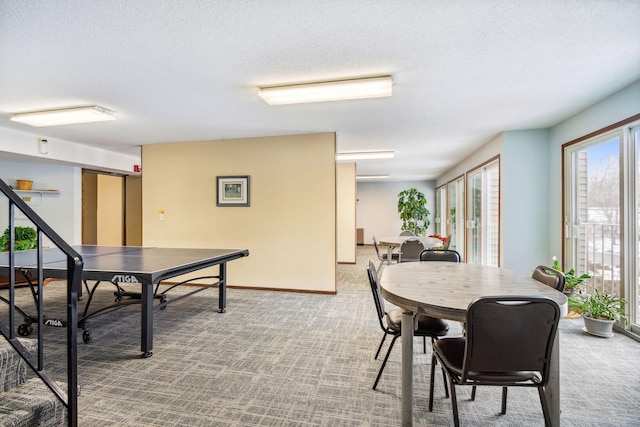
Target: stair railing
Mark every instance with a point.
(69, 398)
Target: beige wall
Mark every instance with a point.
(110, 217)
(289, 228)
(346, 209)
(133, 211)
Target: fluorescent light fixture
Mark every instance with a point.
(365, 177)
(365, 155)
(65, 116)
(373, 87)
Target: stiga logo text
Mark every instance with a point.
(54, 322)
(126, 278)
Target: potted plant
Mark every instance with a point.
(26, 238)
(599, 311)
(572, 282)
(412, 206)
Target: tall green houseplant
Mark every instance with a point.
(412, 207)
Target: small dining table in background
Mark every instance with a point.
(395, 242)
(445, 290)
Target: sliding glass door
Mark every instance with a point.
(455, 219)
(592, 232)
(601, 213)
(483, 222)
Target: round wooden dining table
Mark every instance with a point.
(445, 290)
(396, 241)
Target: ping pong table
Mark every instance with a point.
(147, 266)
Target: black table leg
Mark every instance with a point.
(146, 337)
(222, 288)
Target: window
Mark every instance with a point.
(483, 215)
(441, 211)
(601, 201)
(455, 214)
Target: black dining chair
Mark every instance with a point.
(391, 324)
(383, 256)
(407, 233)
(440, 255)
(549, 277)
(411, 249)
(508, 343)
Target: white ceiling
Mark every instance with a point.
(463, 70)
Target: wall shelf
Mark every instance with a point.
(38, 191)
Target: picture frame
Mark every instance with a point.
(232, 191)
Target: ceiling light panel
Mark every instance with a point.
(372, 177)
(65, 116)
(365, 155)
(374, 87)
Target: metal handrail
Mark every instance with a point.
(75, 265)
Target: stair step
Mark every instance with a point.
(13, 369)
(32, 405)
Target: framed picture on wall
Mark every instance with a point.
(232, 190)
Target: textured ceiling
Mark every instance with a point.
(463, 70)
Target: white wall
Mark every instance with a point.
(617, 107)
(60, 151)
(377, 207)
(63, 211)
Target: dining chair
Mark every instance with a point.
(382, 257)
(410, 250)
(391, 324)
(440, 255)
(407, 233)
(549, 277)
(508, 343)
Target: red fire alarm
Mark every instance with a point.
(136, 168)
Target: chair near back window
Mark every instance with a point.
(411, 249)
(383, 256)
(508, 343)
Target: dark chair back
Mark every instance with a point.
(375, 290)
(410, 250)
(506, 334)
(407, 233)
(437, 255)
(549, 277)
(375, 245)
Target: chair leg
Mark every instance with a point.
(431, 380)
(424, 344)
(384, 337)
(504, 400)
(473, 393)
(444, 374)
(446, 388)
(454, 403)
(384, 362)
(545, 407)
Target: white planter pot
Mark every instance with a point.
(597, 327)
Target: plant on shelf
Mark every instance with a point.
(26, 238)
(599, 311)
(412, 207)
(573, 283)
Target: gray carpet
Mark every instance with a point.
(295, 359)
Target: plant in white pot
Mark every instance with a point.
(599, 311)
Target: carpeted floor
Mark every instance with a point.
(295, 359)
